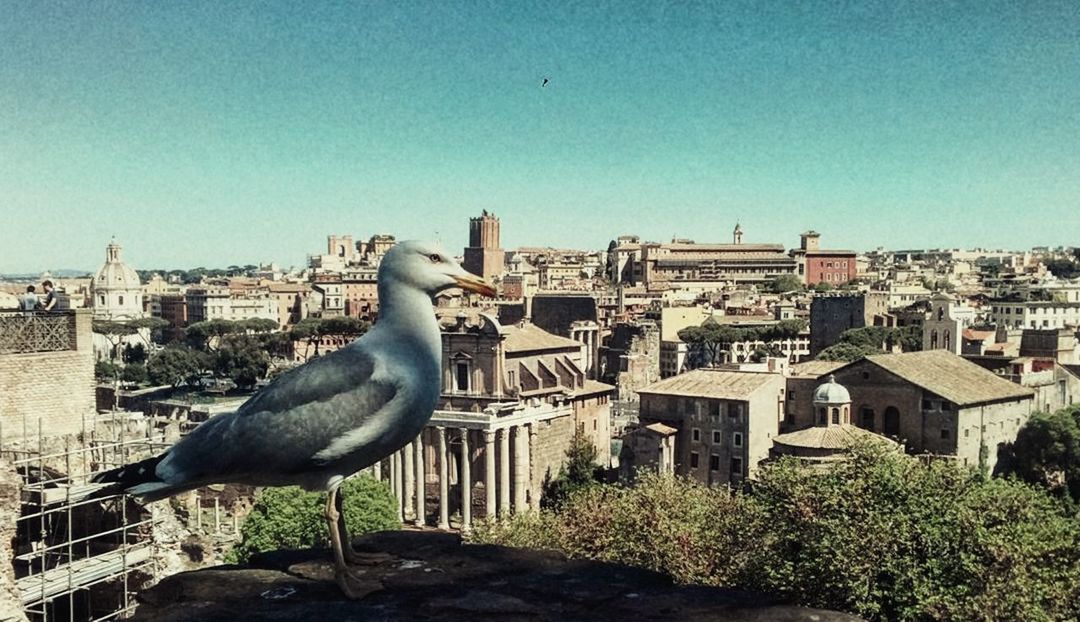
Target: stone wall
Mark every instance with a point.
(10, 606)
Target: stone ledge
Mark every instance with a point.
(432, 576)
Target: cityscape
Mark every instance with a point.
(785, 319)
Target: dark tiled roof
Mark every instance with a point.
(952, 377)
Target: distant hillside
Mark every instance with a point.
(60, 274)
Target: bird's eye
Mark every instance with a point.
(435, 258)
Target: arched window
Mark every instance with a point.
(948, 340)
(940, 313)
(836, 415)
(822, 416)
(933, 339)
(892, 421)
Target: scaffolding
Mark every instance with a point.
(65, 544)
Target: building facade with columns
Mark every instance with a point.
(513, 398)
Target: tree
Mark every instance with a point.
(207, 334)
(106, 370)
(176, 365)
(114, 333)
(785, 283)
(290, 518)
(847, 352)
(1047, 451)
(134, 373)
(313, 330)
(242, 359)
(822, 287)
(579, 471)
(878, 534)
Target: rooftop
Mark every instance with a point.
(827, 437)
(712, 383)
(952, 377)
(526, 337)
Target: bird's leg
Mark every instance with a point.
(351, 585)
(352, 555)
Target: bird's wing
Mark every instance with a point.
(288, 427)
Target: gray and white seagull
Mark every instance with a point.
(331, 417)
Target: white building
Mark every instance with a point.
(116, 295)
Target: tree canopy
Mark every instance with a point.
(880, 535)
(857, 343)
(290, 518)
(785, 283)
(1047, 451)
(709, 342)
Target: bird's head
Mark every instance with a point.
(429, 268)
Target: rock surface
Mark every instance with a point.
(432, 576)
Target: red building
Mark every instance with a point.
(815, 265)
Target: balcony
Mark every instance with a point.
(22, 333)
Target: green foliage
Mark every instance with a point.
(579, 471)
(290, 518)
(203, 335)
(177, 365)
(134, 373)
(312, 330)
(1064, 268)
(880, 535)
(856, 343)
(134, 353)
(242, 359)
(711, 340)
(106, 370)
(822, 287)
(785, 283)
(1047, 451)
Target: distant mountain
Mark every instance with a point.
(60, 274)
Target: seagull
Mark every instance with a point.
(544, 83)
(321, 422)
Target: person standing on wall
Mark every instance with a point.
(29, 301)
(49, 304)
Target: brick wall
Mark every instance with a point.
(55, 387)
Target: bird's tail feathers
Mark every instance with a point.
(137, 478)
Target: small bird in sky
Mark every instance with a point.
(318, 424)
(544, 83)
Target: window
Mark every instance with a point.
(714, 462)
(716, 437)
(696, 435)
(867, 415)
(736, 466)
(821, 415)
(121, 300)
(967, 432)
(944, 434)
(945, 406)
(791, 395)
(693, 460)
(926, 405)
(866, 375)
(512, 377)
(836, 415)
(736, 439)
(461, 375)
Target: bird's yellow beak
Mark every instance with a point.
(475, 284)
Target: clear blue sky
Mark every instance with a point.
(215, 133)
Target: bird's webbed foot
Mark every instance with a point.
(354, 585)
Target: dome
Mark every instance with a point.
(831, 392)
(115, 274)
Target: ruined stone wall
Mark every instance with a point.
(10, 604)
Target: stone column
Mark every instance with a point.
(489, 474)
(534, 493)
(444, 480)
(409, 485)
(521, 467)
(504, 472)
(465, 481)
(420, 480)
(392, 476)
(376, 471)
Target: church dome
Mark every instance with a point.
(831, 392)
(115, 274)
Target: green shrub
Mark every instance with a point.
(291, 518)
(880, 535)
